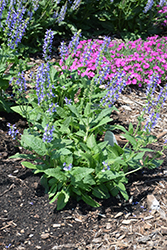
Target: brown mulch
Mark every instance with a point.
(28, 221)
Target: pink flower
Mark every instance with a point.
(146, 66)
(134, 81)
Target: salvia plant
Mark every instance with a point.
(67, 113)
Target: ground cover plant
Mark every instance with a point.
(67, 112)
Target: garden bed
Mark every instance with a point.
(28, 221)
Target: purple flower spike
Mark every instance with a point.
(47, 46)
(13, 131)
(48, 134)
(148, 6)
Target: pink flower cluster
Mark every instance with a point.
(139, 59)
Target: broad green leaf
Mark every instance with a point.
(110, 137)
(119, 127)
(53, 73)
(52, 181)
(81, 133)
(23, 156)
(88, 200)
(19, 110)
(83, 186)
(102, 122)
(101, 192)
(131, 139)
(56, 173)
(89, 180)
(112, 188)
(109, 175)
(65, 126)
(35, 114)
(5, 105)
(102, 145)
(35, 143)
(87, 110)
(115, 150)
(80, 172)
(91, 142)
(28, 165)
(89, 158)
(76, 190)
(61, 112)
(64, 151)
(122, 189)
(62, 199)
(52, 191)
(55, 197)
(103, 114)
(74, 110)
(118, 160)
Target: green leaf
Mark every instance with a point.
(112, 188)
(130, 128)
(52, 191)
(20, 111)
(122, 189)
(29, 165)
(87, 110)
(62, 199)
(102, 122)
(131, 139)
(74, 110)
(53, 73)
(55, 197)
(103, 114)
(91, 142)
(110, 137)
(76, 190)
(81, 133)
(80, 172)
(109, 175)
(88, 200)
(89, 180)
(119, 127)
(35, 143)
(61, 112)
(116, 150)
(65, 126)
(101, 192)
(89, 158)
(23, 156)
(56, 173)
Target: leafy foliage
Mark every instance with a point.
(65, 144)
